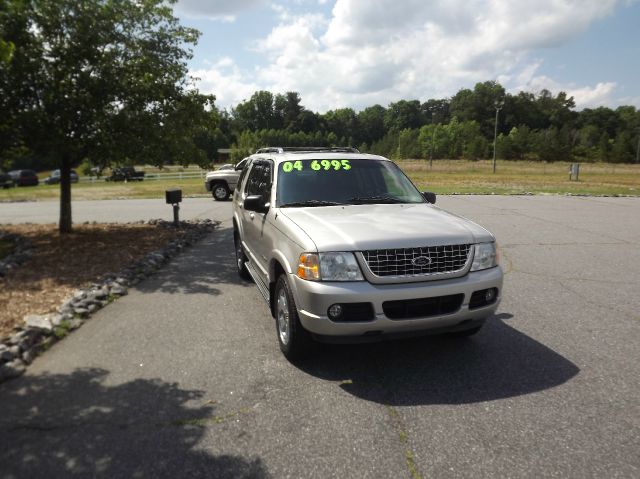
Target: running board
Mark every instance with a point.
(264, 291)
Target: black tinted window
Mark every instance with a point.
(259, 181)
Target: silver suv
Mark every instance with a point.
(222, 182)
(344, 247)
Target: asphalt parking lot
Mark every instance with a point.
(183, 377)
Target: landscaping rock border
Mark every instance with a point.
(39, 332)
(20, 254)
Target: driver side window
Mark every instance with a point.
(259, 181)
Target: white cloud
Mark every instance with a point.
(602, 94)
(384, 50)
(225, 80)
(224, 10)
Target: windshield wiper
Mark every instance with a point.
(375, 199)
(294, 204)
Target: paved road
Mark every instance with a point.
(111, 211)
(183, 377)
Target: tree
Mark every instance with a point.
(291, 111)
(99, 79)
(436, 111)
(307, 122)
(408, 144)
(403, 114)
(371, 124)
(479, 105)
(342, 122)
(554, 144)
(558, 110)
(6, 47)
(258, 112)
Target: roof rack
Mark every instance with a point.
(305, 149)
(270, 149)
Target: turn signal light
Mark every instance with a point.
(309, 268)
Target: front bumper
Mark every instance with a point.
(314, 298)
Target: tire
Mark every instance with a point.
(241, 258)
(295, 341)
(220, 191)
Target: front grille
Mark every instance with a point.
(423, 307)
(417, 261)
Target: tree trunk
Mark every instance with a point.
(65, 197)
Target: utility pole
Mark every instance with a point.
(638, 148)
(499, 104)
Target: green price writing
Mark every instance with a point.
(330, 164)
(316, 165)
(289, 166)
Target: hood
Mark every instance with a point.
(366, 227)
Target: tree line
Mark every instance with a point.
(536, 126)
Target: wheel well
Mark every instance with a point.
(277, 271)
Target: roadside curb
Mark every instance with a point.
(40, 332)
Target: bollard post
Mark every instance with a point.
(176, 215)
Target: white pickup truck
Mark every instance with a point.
(222, 182)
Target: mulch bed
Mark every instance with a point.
(61, 264)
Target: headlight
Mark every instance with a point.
(329, 267)
(484, 256)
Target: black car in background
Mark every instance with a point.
(5, 180)
(24, 177)
(54, 179)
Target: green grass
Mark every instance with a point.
(450, 176)
(106, 190)
(445, 177)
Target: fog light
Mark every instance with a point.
(335, 311)
(490, 295)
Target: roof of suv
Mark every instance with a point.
(279, 154)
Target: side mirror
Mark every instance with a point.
(430, 197)
(256, 203)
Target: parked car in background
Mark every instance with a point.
(5, 180)
(54, 179)
(125, 173)
(24, 177)
(222, 182)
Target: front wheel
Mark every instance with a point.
(220, 192)
(295, 341)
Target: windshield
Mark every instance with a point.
(337, 182)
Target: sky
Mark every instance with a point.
(357, 53)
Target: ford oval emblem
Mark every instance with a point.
(421, 261)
